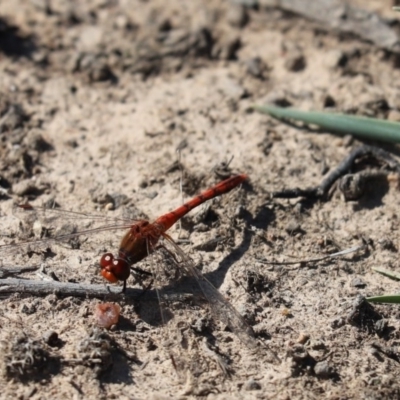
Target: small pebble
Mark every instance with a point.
(237, 16)
(256, 67)
(303, 338)
(292, 227)
(380, 326)
(251, 384)
(323, 369)
(107, 314)
(295, 63)
(358, 283)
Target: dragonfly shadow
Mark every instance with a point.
(13, 43)
(263, 218)
(120, 371)
(173, 297)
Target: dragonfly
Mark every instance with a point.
(143, 238)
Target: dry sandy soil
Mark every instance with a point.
(96, 98)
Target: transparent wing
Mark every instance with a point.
(50, 214)
(42, 227)
(220, 307)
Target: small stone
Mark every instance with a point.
(352, 186)
(256, 67)
(143, 184)
(28, 309)
(303, 338)
(26, 188)
(251, 384)
(121, 22)
(295, 63)
(107, 314)
(152, 195)
(199, 325)
(337, 322)
(323, 369)
(387, 244)
(232, 89)
(13, 117)
(292, 227)
(101, 72)
(241, 212)
(298, 352)
(237, 16)
(227, 47)
(374, 351)
(358, 283)
(380, 326)
(335, 58)
(90, 38)
(72, 143)
(101, 198)
(36, 141)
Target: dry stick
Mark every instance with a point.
(42, 288)
(10, 271)
(335, 15)
(316, 259)
(321, 191)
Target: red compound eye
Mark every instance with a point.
(114, 269)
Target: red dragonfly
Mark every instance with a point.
(143, 239)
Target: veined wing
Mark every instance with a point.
(64, 237)
(83, 224)
(221, 308)
(49, 214)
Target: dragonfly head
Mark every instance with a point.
(114, 269)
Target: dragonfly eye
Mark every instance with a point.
(114, 269)
(106, 260)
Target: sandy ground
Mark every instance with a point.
(96, 98)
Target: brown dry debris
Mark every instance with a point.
(25, 358)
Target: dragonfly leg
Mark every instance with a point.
(141, 271)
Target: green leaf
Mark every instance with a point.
(390, 274)
(389, 298)
(363, 127)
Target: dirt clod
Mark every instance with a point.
(95, 352)
(24, 358)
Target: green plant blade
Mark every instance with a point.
(363, 127)
(389, 298)
(387, 273)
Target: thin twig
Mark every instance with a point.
(321, 191)
(333, 255)
(10, 271)
(42, 288)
